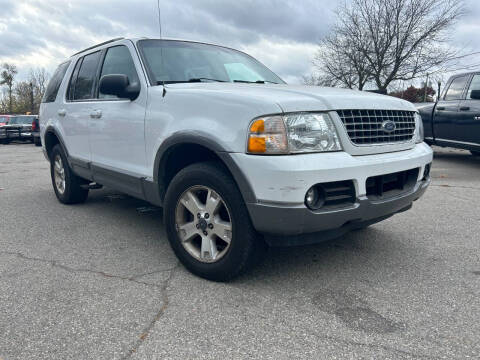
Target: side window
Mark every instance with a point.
(455, 90)
(73, 79)
(82, 85)
(474, 85)
(55, 82)
(118, 61)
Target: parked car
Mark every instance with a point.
(454, 120)
(238, 159)
(19, 127)
(36, 132)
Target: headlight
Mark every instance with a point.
(293, 133)
(419, 133)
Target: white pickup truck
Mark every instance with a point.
(238, 159)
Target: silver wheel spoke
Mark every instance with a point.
(223, 230)
(213, 202)
(208, 250)
(188, 231)
(191, 202)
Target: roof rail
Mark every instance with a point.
(103, 43)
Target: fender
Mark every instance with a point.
(51, 129)
(207, 141)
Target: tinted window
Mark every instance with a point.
(119, 61)
(455, 90)
(73, 79)
(55, 82)
(179, 61)
(85, 81)
(475, 85)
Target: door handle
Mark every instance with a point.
(96, 114)
(62, 112)
(440, 108)
(465, 108)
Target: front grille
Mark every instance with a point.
(365, 127)
(388, 185)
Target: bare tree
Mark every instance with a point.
(22, 91)
(39, 79)
(341, 63)
(388, 40)
(7, 77)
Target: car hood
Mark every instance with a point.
(302, 98)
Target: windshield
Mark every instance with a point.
(21, 120)
(194, 62)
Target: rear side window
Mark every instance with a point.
(83, 79)
(474, 85)
(55, 82)
(118, 61)
(456, 87)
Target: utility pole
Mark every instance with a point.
(32, 105)
(425, 93)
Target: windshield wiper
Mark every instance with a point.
(192, 80)
(204, 78)
(255, 82)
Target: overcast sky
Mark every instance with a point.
(280, 33)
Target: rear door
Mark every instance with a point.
(77, 107)
(117, 129)
(468, 120)
(446, 110)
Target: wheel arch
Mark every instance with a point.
(186, 148)
(52, 138)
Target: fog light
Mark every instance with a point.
(315, 197)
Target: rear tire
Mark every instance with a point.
(236, 248)
(65, 183)
(37, 141)
(475, 153)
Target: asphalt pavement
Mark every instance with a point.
(99, 280)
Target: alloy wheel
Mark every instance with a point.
(203, 224)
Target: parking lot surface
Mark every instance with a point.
(99, 281)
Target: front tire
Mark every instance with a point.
(208, 225)
(66, 184)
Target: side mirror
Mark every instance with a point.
(119, 85)
(475, 94)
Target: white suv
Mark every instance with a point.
(238, 159)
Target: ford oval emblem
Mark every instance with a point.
(389, 126)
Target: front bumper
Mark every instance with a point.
(299, 225)
(281, 182)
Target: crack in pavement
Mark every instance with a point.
(158, 315)
(55, 263)
(455, 186)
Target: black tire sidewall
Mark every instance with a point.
(244, 236)
(73, 193)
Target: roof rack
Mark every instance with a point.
(103, 43)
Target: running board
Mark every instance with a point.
(91, 186)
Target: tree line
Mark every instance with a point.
(20, 97)
(380, 43)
